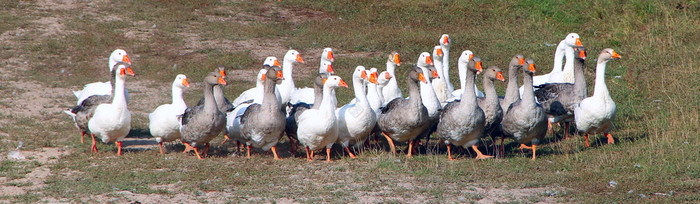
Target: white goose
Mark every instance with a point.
(318, 127)
(439, 84)
(595, 114)
(445, 43)
(287, 87)
(391, 90)
(356, 120)
(306, 95)
(457, 94)
(427, 94)
(565, 48)
(164, 124)
(374, 94)
(103, 88)
(256, 93)
(112, 121)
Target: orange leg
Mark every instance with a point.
(82, 137)
(196, 151)
(226, 138)
(308, 155)
(611, 140)
(549, 127)
(206, 149)
(161, 147)
(350, 153)
(328, 154)
(188, 147)
(94, 144)
(449, 152)
(391, 143)
(274, 152)
(534, 147)
(119, 144)
(586, 136)
(480, 155)
(523, 146)
(312, 155)
(410, 148)
(248, 150)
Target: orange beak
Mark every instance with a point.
(222, 81)
(429, 60)
(615, 55)
(478, 67)
(299, 59)
(373, 78)
(521, 61)
(277, 63)
(364, 75)
(387, 76)
(531, 67)
(446, 40)
(280, 75)
(396, 60)
(262, 77)
(330, 56)
(435, 74)
(439, 52)
(342, 84)
(324, 80)
(131, 72)
(126, 59)
(582, 54)
(421, 78)
(470, 57)
(185, 83)
(578, 42)
(330, 69)
(223, 73)
(499, 76)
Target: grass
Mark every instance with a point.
(655, 150)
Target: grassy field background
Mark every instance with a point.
(48, 48)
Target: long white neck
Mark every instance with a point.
(462, 71)
(601, 89)
(118, 98)
(439, 67)
(558, 56)
(428, 96)
(569, 64)
(177, 96)
(288, 82)
(446, 67)
(374, 95)
(359, 89)
(391, 67)
(329, 101)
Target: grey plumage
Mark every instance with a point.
(262, 125)
(403, 119)
(200, 124)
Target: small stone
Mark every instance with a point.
(237, 174)
(631, 191)
(637, 165)
(462, 199)
(618, 77)
(154, 26)
(661, 194)
(612, 184)
(658, 101)
(642, 195)
(671, 192)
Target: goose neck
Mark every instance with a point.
(219, 97)
(269, 97)
(118, 96)
(287, 71)
(359, 89)
(209, 101)
(489, 90)
(580, 86)
(177, 96)
(558, 56)
(600, 88)
(468, 93)
(329, 101)
(528, 93)
(569, 65)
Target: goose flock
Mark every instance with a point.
(310, 117)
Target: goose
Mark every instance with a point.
(318, 127)
(200, 124)
(82, 113)
(490, 104)
(445, 43)
(512, 92)
(404, 119)
(111, 122)
(439, 84)
(326, 60)
(462, 122)
(428, 96)
(525, 119)
(262, 125)
(296, 110)
(391, 90)
(564, 49)
(255, 94)
(287, 87)
(356, 120)
(222, 103)
(559, 99)
(595, 114)
(457, 94)
(104, 88)
(163, 121)
(374, 94)
(306, 95)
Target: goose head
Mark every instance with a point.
(334, 82)
(493, 73)
(118, 55)
(293, 56)
(360, 74)
(261, 77)
(271, 61)
(326, 68)
(424, 60)
(327, 55)
(432, 70)
(214, 78)
(437, 53)
(373, 76)
(445, 41)
(383, 78)
(465, 57)
(318, 81)
(516, 62)
(573, 40)
(394, 58)
(580, 53)
(529, 67)
(475, 65)
(416, 75)
(122, 69)
(181, 81)
(607, 54)
(273, 73)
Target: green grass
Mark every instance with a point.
(655, 150)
